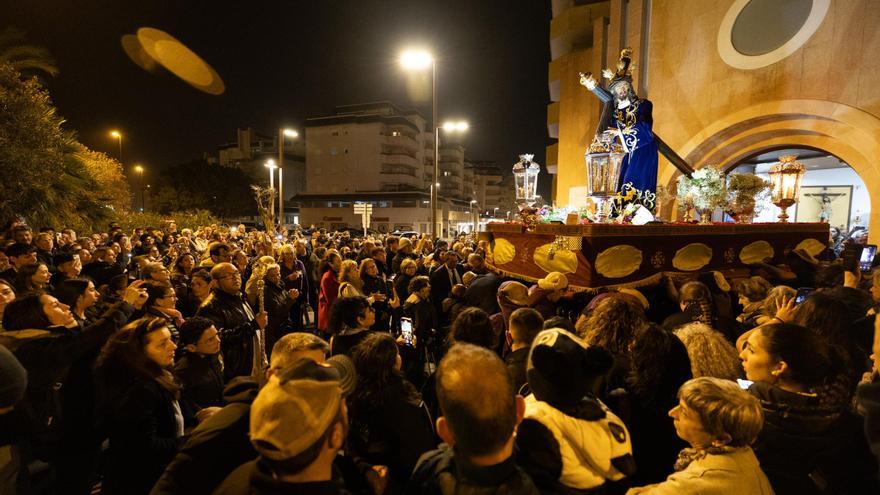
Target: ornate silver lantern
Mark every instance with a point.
(603, 160)
(525, 176)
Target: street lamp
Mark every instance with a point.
(495, 212)
(140, 171)
(282, 133)
(118, 136)
(421, 60)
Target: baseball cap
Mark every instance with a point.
(297, 406)
(562, 368)
(553, 281)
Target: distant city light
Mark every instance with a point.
(291, 133)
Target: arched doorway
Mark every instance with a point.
(845, 132)
(831, 190)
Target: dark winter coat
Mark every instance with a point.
(236, 329)
(48, 355)
(441, 472)
(807, 448)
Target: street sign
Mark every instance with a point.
(365, 210)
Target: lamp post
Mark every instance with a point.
(140, 171)
(270, 164)
(282, 133)
(495, 212)
(118, 136)
(420, 60)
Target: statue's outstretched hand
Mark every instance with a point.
(588, 80)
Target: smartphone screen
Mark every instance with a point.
(406, 330)
(867, 259)
(802, 294)
(744, 384)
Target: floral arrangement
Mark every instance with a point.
(745, 190)
(704, 189)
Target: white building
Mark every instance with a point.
(383, 155)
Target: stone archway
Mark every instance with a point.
(851, 134)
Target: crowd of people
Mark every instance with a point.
(225, 360)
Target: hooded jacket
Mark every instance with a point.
(570, 453)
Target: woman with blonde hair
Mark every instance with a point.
(710, 353)
(720, 421)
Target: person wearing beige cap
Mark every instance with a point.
(298, 424)
(544, 295)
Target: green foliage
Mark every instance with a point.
(46, 175)
(184, 219)
(25, 59)
(224, 191)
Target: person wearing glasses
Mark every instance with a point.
(241, 328)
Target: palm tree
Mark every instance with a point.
(26, 59)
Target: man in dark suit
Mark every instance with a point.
(444, 278)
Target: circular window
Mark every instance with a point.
(758, 33)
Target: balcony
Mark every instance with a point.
(398, 169)
(392, 158)
(403, 142)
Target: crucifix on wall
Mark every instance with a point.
(825, 200)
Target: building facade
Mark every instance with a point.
(729, 79)
(381, 154)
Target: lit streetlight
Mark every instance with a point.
(421, 60)
(117, 136)
(495, 212)
(475, 214)
(282, 134)
(139, 169)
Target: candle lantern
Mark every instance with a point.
(603, 160)
(525, 173)
(525, 176)
(786, 178)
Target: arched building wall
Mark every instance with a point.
(822, 93)
(846, 132)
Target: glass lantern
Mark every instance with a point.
(786, 178)
(603, 160)
(525, 174)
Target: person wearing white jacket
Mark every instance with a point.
(720, 421)
(569, 441)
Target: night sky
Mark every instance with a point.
(284, 61)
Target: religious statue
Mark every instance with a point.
(631, 118)
(825, 199)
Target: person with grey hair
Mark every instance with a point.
(720, 421)
(709, 351)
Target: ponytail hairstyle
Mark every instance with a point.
(812, 361)
(696, 295)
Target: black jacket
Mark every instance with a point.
(253, 478)
(139, 418)
(101, 272)
(278, 308)
(483, 293)
(214, 448)
(236, 330)
(439, 472)
(202, 381)
(441, 286)
(516, 363)
(48, 355)
(393, 430)
(805, 445)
